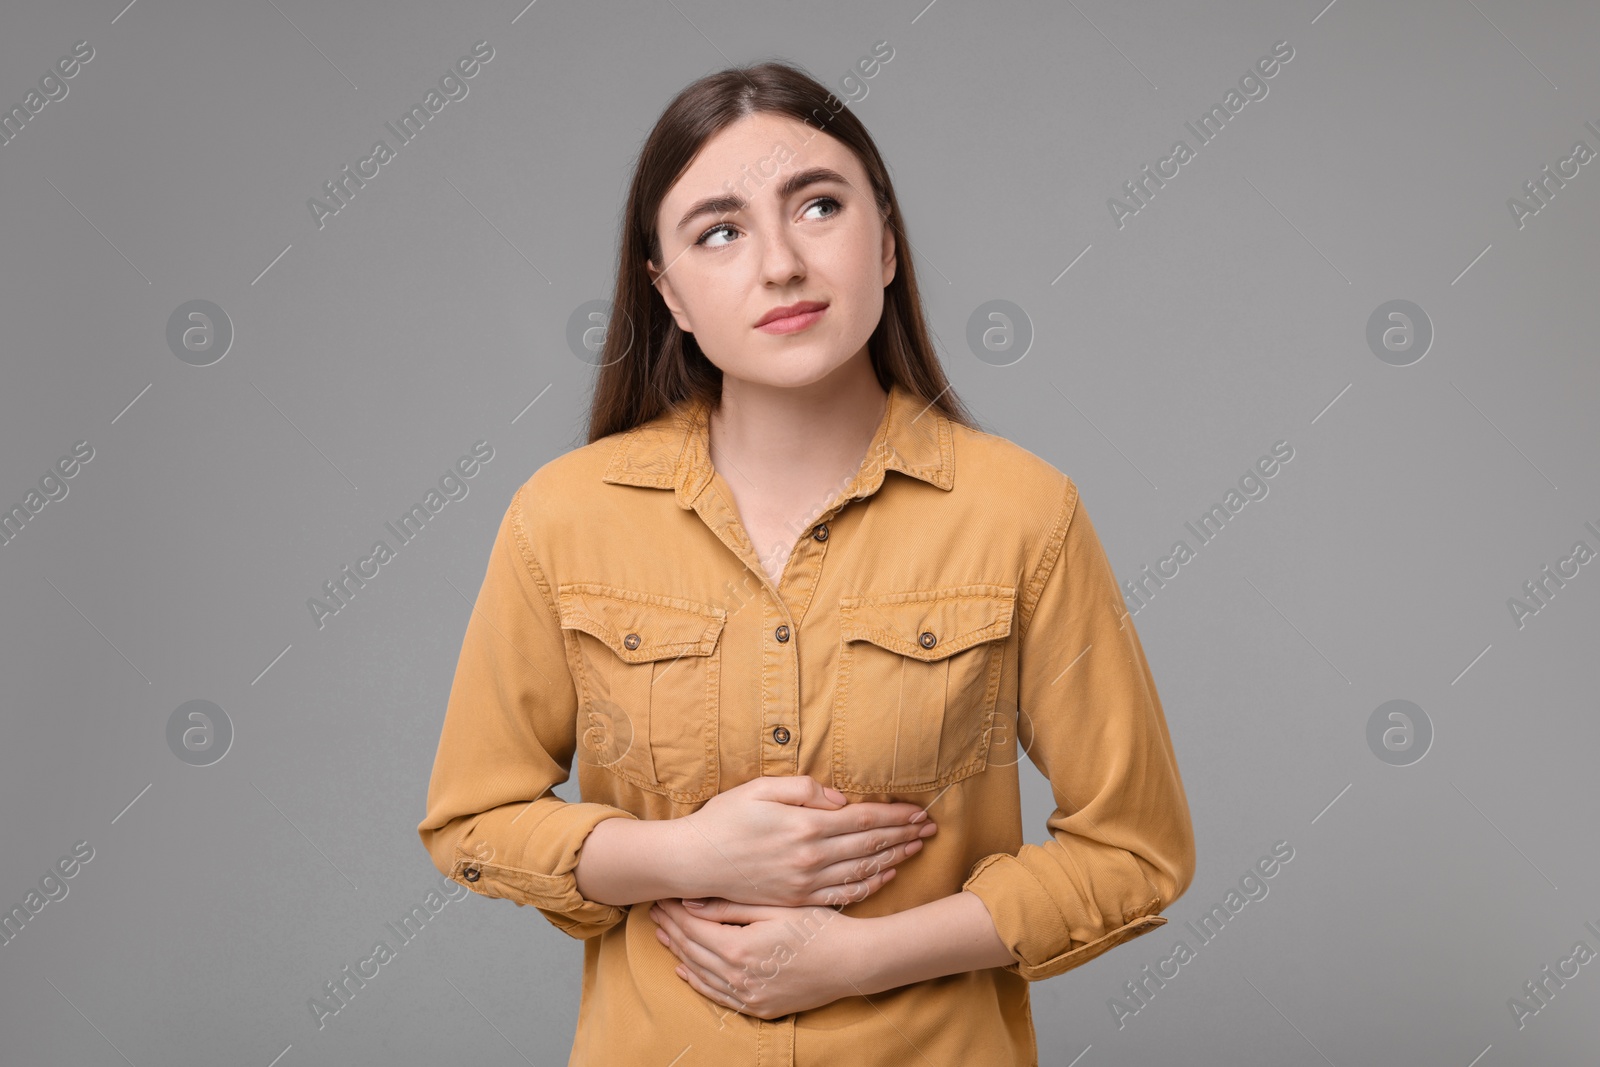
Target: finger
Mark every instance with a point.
(681, 914)
(668, 916)
(664, 921)
(837, 896)
(855, 856)
(872, 815)
(860, 869)
(687, 936)
(725, 911)
(738, 985)
(696, 954)
(717, 912)
(695, 979)
(693, 954)
(804, 791)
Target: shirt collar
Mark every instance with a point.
(671, 451)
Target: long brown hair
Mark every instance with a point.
(649, 365)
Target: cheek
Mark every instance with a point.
(854, 268)
(867, 310)
(868, 266)
(865, 284)
(709, 302)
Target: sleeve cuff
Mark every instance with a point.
(554, 892)
(1030, 921)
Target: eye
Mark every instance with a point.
(718, 228)
(828, 201)
(727, 227)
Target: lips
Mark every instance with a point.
(790, 311)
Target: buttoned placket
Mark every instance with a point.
(783, 607)
(781, 730)
(698, 486)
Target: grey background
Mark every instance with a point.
(1228, 314)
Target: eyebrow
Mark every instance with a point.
(727, 204)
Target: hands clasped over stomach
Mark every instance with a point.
(778, 851)
(790, 841)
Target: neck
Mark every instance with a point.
(783, 435)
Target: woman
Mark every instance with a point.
(797, 619)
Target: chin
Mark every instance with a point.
(785, 371)
(794, 377)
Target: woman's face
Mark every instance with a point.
(773, 213)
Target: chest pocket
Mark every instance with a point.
(919, 677)
(648, 670)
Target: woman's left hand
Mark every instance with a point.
(783, 960)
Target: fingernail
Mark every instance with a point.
(918, 817)
(694, 903)
(928, 830)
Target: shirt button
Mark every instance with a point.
(780, 735)
(781, 633)
(632, 641)
(820, 533)
(927, 640)
(470, 874)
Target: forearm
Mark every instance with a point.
(945, 936)
(625, 861)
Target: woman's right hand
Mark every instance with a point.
(790, 841)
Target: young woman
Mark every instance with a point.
(797, 618)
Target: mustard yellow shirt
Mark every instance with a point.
(950, 610)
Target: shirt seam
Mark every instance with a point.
(525, 551)
(1048, 558)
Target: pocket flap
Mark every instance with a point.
(640, 627)
(957, 618)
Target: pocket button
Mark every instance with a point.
(918, 679)
(646, 667)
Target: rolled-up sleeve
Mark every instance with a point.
(508, 738)
(1121, 845)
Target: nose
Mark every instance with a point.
(781, 262)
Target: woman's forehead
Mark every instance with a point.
(753, 150)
